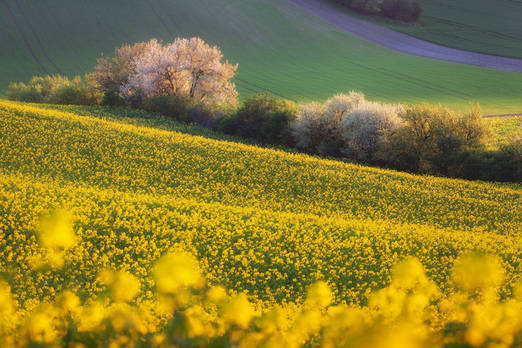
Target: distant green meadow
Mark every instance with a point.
(279, 48)
(504, 129)
(486, 26)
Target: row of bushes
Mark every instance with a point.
(56, 90)
(403, 10)
(186, 74)
(420, 139)
(187, 80)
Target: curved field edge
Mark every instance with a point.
(279, 48)
(476, 26)
(503, 128)
(404, 43)
(482, 26)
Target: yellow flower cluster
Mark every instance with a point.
(271, 256)
(409, 312)
(150, 156)
(305, 246)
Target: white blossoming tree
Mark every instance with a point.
(185, 68)
(346, 125)
(112, 73)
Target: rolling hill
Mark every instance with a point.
(279, 48)
(491, 27)
(264, 221)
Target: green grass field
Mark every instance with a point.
(491, 27)
(264, 221)
(279, 48)
(504, 129)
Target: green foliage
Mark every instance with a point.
(112, 98)
(431, 134)
(263, 118)
(56, 89)
(505, 129)
(183, 109)
(77, 92)
(504, 164)
(37, 90)
(176, 107)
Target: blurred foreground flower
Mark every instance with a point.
(123, 286)
(478, 272)
(174, 272)
(56, 236)
(239, 311)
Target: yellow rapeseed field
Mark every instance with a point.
(122, 229)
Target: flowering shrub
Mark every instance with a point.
(366, 126)
(185, 68)
(188, 71)
(319, 128)
(346, 125)
(111, 73)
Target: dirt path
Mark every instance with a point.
(402, 42)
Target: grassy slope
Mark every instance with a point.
(485, 26)
(265, 221)
(490, 27)
(505, 129)
(278, 47)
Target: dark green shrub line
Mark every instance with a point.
(436, 140)
(263, 118)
